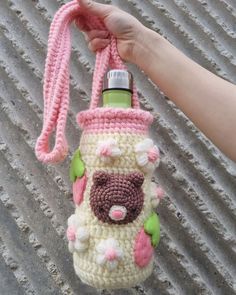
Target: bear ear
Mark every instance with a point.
(136, 178)
(100, 177)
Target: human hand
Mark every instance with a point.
(126, 28)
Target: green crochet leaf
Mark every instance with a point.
(77, 166)
(152, 227)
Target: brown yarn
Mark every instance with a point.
(110, 189)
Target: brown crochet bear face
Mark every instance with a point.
(116, 198)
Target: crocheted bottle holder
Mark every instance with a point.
(114, 228)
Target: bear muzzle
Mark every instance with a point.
(117, 212)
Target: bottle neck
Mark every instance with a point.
(117, 98)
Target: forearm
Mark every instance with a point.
(208, 100)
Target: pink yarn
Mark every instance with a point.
(153, 154)
(115, 120)
(106, 150)
(143, 250)
(56, 79)
(111, 254)
(70, 233)
(117, 214)
(78, 189)
(160, 192)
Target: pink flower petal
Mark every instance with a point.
(78, 189)
(70, 233)
(160, 192)
(143, 250)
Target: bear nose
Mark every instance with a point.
(117, 212)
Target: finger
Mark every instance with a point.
(97, 44)
(96, 34)
(98, 9)
(81, 24)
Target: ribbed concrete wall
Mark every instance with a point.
(197, 250)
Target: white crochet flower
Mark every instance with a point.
(108, 149)
(77, 234)
(147, 155)
(109, 253)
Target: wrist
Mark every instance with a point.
(146, 45)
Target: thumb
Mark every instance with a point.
(92, 7)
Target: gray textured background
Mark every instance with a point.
(197, 250)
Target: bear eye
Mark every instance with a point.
(101, 209)
(133, 210)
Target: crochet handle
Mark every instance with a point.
(105, 58)
(56, 79)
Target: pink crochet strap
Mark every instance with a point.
(56, 79)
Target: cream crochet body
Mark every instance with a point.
(127, 273)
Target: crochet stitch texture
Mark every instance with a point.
(56, 79)
(112, 189)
